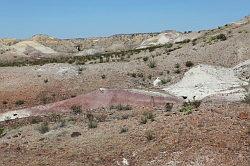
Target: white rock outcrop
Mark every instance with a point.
(212, 81)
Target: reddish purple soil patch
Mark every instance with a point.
(107, 98)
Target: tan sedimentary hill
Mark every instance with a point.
(58, 45)
(170, 37)
(23, 46)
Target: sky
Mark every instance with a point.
(88, 18)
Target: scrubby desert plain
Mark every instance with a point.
(156, 99)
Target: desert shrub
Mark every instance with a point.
(101, 117)
(144, 120)
(121, 107)
(189, 107)
(75, 134)
(194, 42)
(168, 45)
(150, 76)
(195, 103)
(90, 116)
(145, 59)
(247, 98)
(152, 64)
(44, 128)
(140, 75)
(125, 116)
(168, 107)
(221, 37)
(45, 99)
(186, 110)
(45, 81)
(124, 130)
(184, 41)
(149, 115)
(189, 63)
(19, 102)
(133, 75)
(107, 59)
(150, 135)
(1, 131)
(163, 81)
(177, 66)
(35, 120)
(103, 76)
(62, 123)
(76, 109)
(92, 124)
(80, 69)
(101, 59)
(5, 102)
(177, 71)
(243, 31)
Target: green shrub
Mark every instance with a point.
(19, 102)
(44, 128)
(124, 130)
(145, 59)
(149, 115)
(152, 64)
(80, 69)
(177, 66)
(177, 71)
(92, 124)
(76, 109)
(163, 81)
(140, 75)
(125, 116)
(1, 131)
(194, 41)
(169, 106)
(35, 120)
(168, 45)
(144, 120)
(150, 135)
(103, 76)
(221, 37)
(184, 41)
(189, 64)
(90, 116)
(189, 107)
(247, 98)
(101, 117)
(62, 123)
(121, 107)
(186, 110)
(101, 59)
(133, 75)
(46, 81)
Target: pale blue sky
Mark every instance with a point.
(87, 18)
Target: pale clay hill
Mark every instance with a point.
(156, 99)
